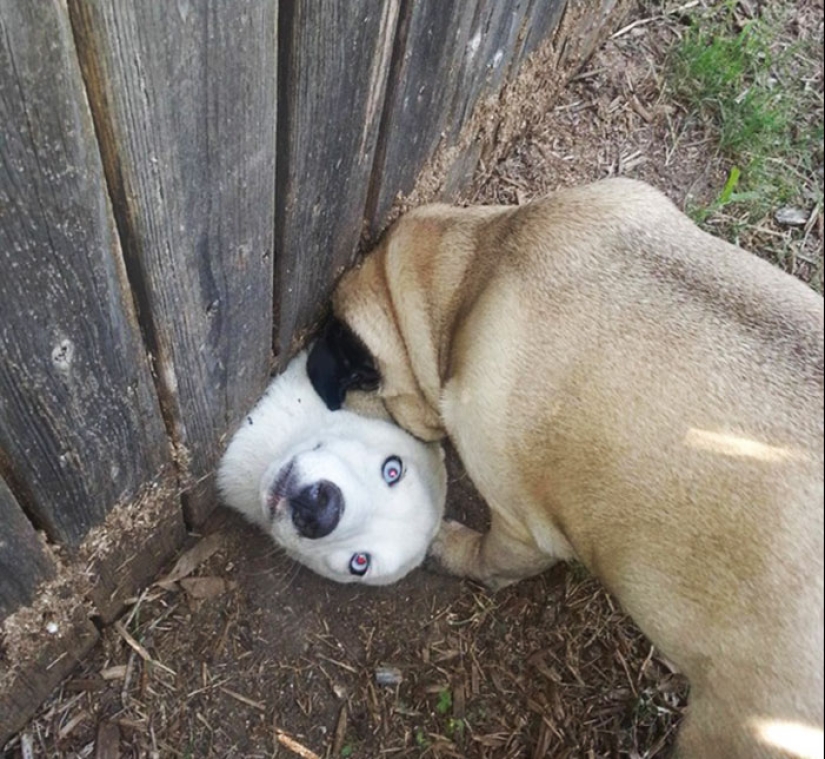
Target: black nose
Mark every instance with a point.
(316, 509)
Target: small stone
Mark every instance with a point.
(52, 628)
(791, 217)
(387, 676)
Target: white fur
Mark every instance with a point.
(393, 524)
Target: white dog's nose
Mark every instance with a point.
(316, 509)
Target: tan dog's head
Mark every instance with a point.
(398, 308)
(365, 341)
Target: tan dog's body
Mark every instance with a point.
(625, 389)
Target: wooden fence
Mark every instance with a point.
(180, 184)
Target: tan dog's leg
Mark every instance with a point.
(715, 728)
(497, 558)
(701, 736)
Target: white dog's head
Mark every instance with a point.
(353, 498)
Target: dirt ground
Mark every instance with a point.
(249, 655)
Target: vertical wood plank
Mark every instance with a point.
(542, 18)
(431, 46)
(80, 428)
(584, 27)
(333, 68)
(502, 37)
(23, 561)
(449, 58)
(28, 676)
(492, 42)
(183, 96)
(132, 547)
(497, 33)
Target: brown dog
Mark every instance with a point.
(628, 390)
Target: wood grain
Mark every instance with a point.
(183, 96)
(541, 20)
(24, 563)
(492, 41)
(80, 428)
(426, 72)
(135, 546)
(334, 61)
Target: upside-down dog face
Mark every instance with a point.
(355, 499)
(354, 503)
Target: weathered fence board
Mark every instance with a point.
(24, 685)
(497, 33)
(542, 18)
(23, 561)
(450, 56)
(80, 429)
(491, 44)
(334, 62)
(125, 554)
(427, 61)
(184, 103)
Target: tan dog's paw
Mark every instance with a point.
(494, 558)
(456, 549)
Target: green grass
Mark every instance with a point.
(445, 701)
(421, 739)
(747, 86)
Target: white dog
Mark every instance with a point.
(352, 498)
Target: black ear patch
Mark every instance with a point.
(338, 362)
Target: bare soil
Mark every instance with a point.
(250, 655)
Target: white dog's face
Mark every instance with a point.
(359, 503)
(353, 498)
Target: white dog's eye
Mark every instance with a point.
(392, 470)
(359, 564)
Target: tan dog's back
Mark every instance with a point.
(629, 390)
(680, 447)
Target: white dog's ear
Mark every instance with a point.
(338, 362)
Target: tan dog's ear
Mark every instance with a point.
(364, 301)
(367, 404)
(373, 406)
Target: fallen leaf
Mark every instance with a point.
(192, 559)
(205, 587)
